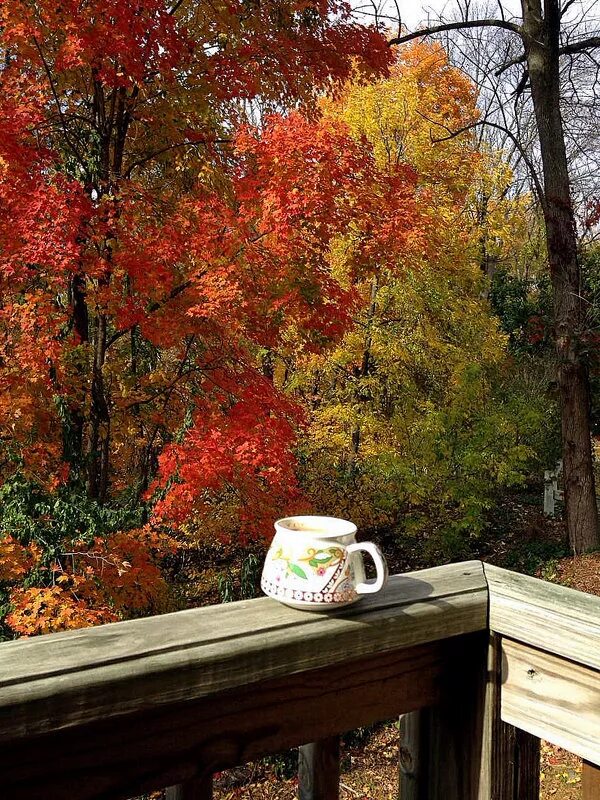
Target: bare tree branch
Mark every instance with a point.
(454, 26)
(190, 143)
(582, 44)
(64, 126)
(566, 7)
(567, 49)
(452, 134)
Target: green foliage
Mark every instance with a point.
(284, 765)
(52, 523)
(524, 307)
(533, 555)
(590, 339)
(30, 513)
(246, 585)
(439, 470)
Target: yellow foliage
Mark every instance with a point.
(390, 402)
(405, 115)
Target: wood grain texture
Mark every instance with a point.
(459, 765)
(553, 618)
(553, 698)
(70, 679)
(121, 757)
(461, 749)
(412, 754)
(514, 757)
(319, 770)
(590, 782)
(443, 752)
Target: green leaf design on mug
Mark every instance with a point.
(297, 571)
(320, 562)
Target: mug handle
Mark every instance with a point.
(380, 564)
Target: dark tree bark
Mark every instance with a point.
(365, 363)
(81, 327)
(540, 35)
(112, 129)
(541, 39)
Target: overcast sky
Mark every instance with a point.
(416, 11)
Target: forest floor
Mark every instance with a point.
(518, 537)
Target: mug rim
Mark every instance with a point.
(315, 525)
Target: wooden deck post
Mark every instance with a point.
(590, 781)
(516, 753)
(319, 770)
(411, 749)
(444, 752)
(198, 789)
(461, 749)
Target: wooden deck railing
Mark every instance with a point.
(479, 661)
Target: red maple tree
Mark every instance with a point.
(151, 257)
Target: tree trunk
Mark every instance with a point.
(99, 435)
(81, 328)
(541, 35)
(365, 364)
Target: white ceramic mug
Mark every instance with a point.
(315, 563)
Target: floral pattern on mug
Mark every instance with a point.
(318, 560)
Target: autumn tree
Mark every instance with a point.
(546, 39)
(409, 423)
(149, 251)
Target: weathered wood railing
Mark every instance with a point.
(548, 638)
(117, 710)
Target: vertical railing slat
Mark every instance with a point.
(195, 789)
(590, 781)
(448, 741)
(319, 770)
(413, 730)
(515, 753)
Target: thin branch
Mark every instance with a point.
(141, 161)
(398, 17)
(567, 49)
(165, 389)
(153, 307)
(454, 26)
(175, 7)
(582, 44)
(566, 7)
(61, 115)
(454, 133)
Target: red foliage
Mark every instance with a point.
(147, 260)
(592, 217)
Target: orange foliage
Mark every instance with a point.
(15, 560)
(50, 609)
(96, 583)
